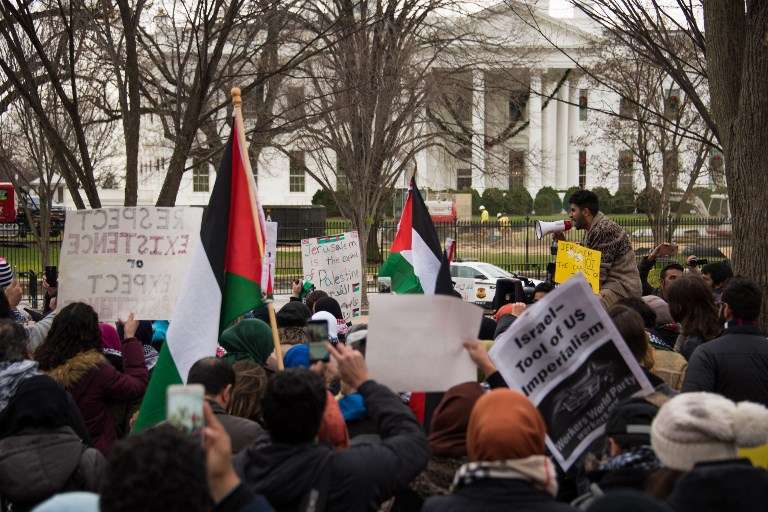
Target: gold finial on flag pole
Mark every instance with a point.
(237, 99)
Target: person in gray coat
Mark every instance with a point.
(218, 378)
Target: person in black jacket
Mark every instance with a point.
(631, 460)
(508, 469)
(734, 365)
(295, 473)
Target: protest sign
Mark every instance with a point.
(127, 260)
(271, 228)
(566, 356)
(573, 258)
(415, 342)
(332, 264)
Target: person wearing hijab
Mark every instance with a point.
(333, 326)
(447, 442)
(332, 306)
(508, 468)
(41, 453)
(248, 339)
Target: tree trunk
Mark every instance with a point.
(176, 166)
(746, 165)
(372, 247)
(132, 111)
(364, 233)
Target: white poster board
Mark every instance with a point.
(271, 229)
(127, 259)
(566, 356)
(332, 264)
(466, 287)
(415, 342)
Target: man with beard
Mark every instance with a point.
(619, 276)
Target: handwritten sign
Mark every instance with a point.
(573, 258)
(332, 264)
(566, 356)
(127, 260)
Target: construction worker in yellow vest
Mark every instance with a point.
(483, 214)
(502, 219)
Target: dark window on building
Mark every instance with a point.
(252, 102)
(342, 180)
(583, 104)
(463, 179)
(626, 108)
(465, 153)
(200, 176)
(517, 102)
(295, 103)
(626, 170)
(516, 169)
(672, 104)
(582, 169)
(296, 172)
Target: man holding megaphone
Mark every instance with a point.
(619, 276)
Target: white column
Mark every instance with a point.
(549, 135)
(561, 159)
(573, 133)
(422, 156)
(533, 163)
(478, 130)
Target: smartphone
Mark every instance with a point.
(52, 276)
(184, 407)
(317, 331)
(318, 351)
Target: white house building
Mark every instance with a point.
(558, 143)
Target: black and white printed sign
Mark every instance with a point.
(566, 356)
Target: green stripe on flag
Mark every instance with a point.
(239, 296)
(404, 279)
(164, 374)
(330, 239)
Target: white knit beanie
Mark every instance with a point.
(700, 427)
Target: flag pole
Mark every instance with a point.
(237, 103)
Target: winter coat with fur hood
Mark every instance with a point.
(96, 385)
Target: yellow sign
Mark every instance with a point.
(573, 258)
(758, 456)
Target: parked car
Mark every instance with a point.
(476, 280)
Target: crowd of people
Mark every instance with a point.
(323, 434)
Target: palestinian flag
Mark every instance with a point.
(228, 276)
(414, 258)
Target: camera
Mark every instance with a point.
(697, 262)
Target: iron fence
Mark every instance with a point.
(512, 246)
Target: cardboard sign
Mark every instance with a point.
(415, 342)
(573, 258)
(332, 264)
(566, 356)
(127, 260)
(271, 246)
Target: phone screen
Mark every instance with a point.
(184, 407)
(317, 330)
(318, 351)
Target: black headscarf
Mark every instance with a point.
(40, 402)
(293, 314)
(330, 305)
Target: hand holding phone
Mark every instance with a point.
(184, 407)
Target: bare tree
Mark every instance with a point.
(197, 51)
(658, 136)
(731, 57)
(47, 43)
(28, 161)
(368, 98)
